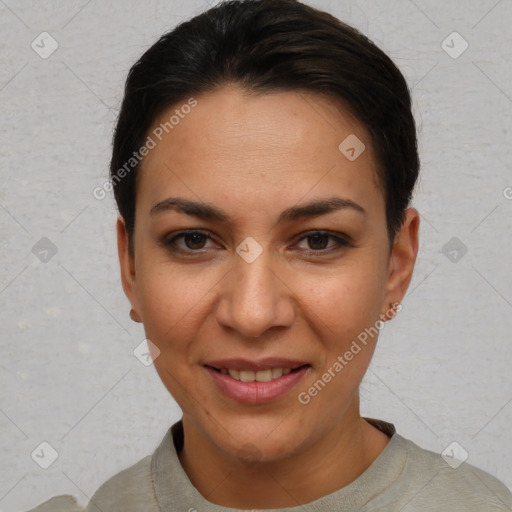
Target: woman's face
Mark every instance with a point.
(263, 285)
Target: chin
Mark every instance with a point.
(252, 439)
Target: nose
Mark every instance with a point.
(254, 297)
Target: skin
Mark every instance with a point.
(254, 156)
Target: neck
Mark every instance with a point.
(335, 460)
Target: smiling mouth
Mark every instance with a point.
(257, 376)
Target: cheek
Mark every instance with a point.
(344, 310)
(172, 303)
(170, 297)
(346, 302)
(176, 307)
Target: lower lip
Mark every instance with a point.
(257, 392)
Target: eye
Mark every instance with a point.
(317, 242)
(193, 241)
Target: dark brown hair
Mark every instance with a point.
(267, 45)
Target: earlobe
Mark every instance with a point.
(403, 257)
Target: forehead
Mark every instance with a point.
(254, 151)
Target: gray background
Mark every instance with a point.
(441, 372)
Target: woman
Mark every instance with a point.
(263, 164)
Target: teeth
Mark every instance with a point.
(247, 376)
(235, 374)
(259, 376)
(264, 375)
(277, 372)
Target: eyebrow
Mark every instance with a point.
(209, 212)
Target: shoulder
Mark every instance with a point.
(63, 503)
(129, 490)
(433, 479)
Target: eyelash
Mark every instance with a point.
(170, 243)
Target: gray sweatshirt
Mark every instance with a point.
(404, 478)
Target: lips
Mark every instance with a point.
(254, 382)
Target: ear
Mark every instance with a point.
(127, 265)
(402, 258)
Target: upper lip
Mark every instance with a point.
(261, 364)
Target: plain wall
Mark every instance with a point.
(441, 372)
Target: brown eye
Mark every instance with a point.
(194, 240)
(187, 242)
(318, 243)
